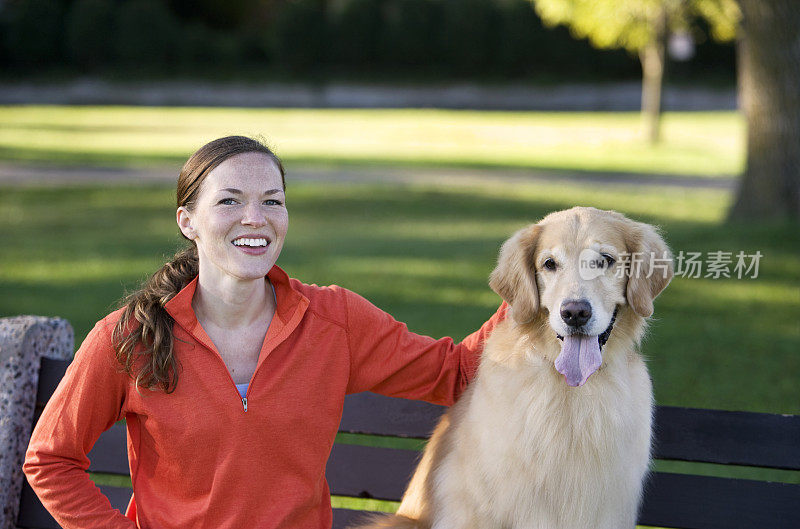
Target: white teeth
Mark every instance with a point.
(250, 242)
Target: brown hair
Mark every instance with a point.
(143, 337)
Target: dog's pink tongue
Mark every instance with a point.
(580, 357)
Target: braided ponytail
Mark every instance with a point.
(143, 338)
(146, 352)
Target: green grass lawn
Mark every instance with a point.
(695, 143)
(423, 253)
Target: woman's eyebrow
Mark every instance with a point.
(235, 191)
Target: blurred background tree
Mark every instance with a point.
(146, 33)
(769, 94)
(90, 29)
(32, 32)
(642, 27)
(374, 40)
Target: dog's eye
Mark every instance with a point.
(609, 260)
(549, 264)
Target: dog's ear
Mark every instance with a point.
(650, 267)
(513, 278)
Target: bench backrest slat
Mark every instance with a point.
(685, 434)
(110, 452)
(671, 500)
(32, 514)
(728, 437)
(344, 518)
(369, 413)
(51, 372)
(370, 472)
(703, 502)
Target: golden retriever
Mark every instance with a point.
(554, 431)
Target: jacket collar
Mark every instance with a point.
(291, 306)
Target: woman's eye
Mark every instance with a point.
(609, 260)
(550, 264)
(227, 202)
(273, 202)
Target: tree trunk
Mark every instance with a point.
(769, 94)
(652, 58)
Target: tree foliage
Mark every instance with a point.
(642, 27)
(633, 24)
(32, 31)
(90, 29)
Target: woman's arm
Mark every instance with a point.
(87, 402)
(389, 359)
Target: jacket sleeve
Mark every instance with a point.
(88, 401)
(387, 358)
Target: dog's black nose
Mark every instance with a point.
(576, 313)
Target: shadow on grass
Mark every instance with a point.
(423, 253)
(124, 158)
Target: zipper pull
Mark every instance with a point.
(244, 403)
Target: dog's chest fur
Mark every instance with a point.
(530, 451)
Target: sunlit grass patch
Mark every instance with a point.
(695, 143)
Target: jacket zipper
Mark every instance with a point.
(225, 367)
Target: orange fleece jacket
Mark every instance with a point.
(200, 458)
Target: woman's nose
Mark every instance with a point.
(254, 215)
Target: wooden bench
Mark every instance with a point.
(671, 500)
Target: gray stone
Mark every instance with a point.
(24, 340)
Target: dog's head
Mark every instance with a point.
(580, 266)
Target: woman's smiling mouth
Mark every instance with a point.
(252, 245)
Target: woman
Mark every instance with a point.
(231, 376)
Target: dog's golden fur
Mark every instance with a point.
(522, 449)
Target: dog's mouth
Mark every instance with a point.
(581, 355)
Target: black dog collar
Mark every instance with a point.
(603, 337)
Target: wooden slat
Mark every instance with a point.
(378, 415)
(728, 437)
(702, 502)
(685, 434)
(343, 518)
(671, 500)
(370, 472)
(118, 496)
(110, 453)
(32, 515)
(50, 374)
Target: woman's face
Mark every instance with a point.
(239, 220)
